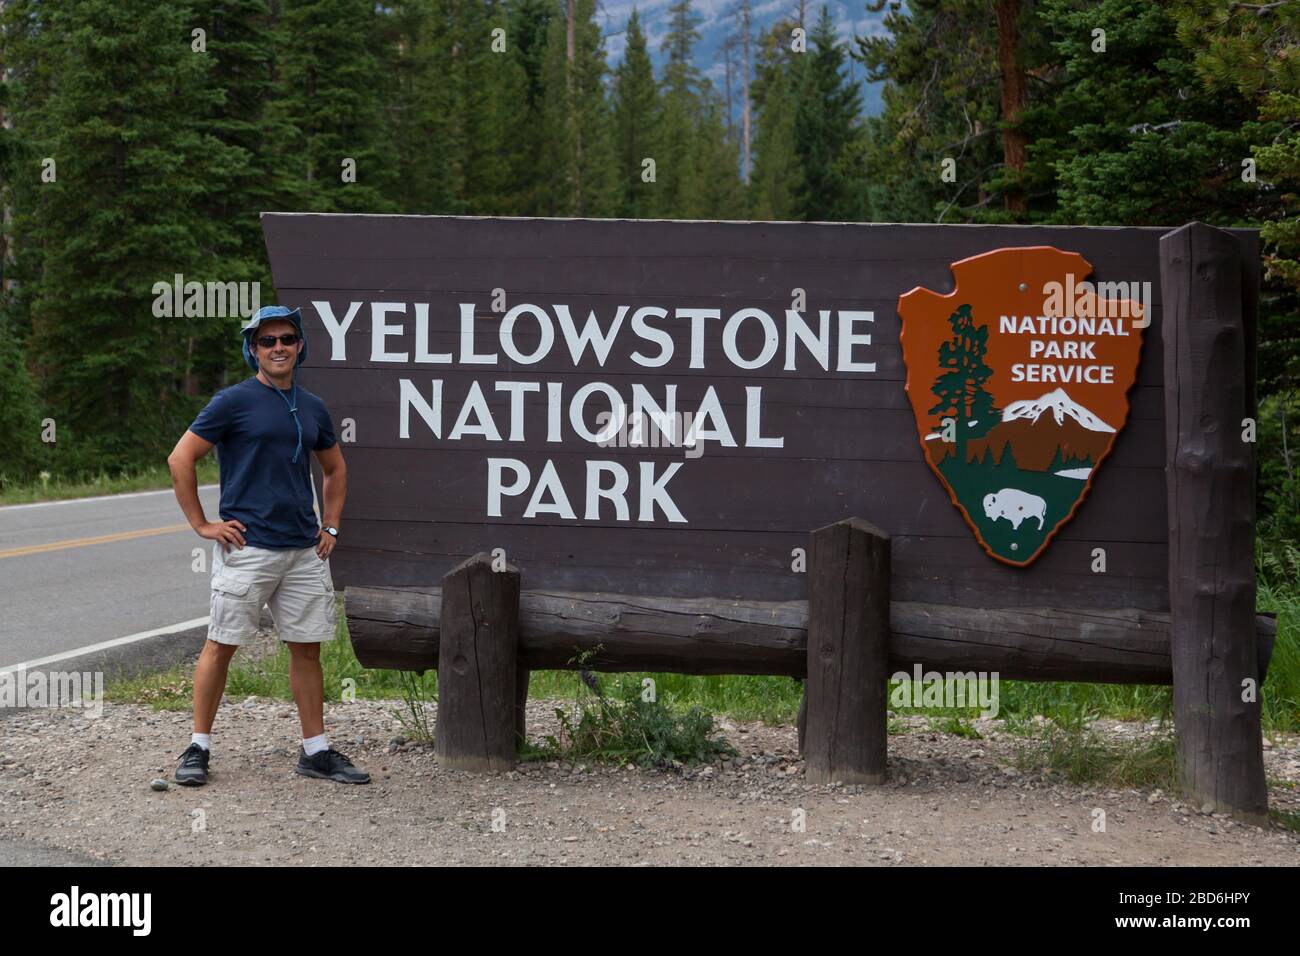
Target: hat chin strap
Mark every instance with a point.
(293, 410)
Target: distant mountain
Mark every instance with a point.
(1050, 430)
(719, 19)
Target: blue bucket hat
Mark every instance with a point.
(294, 317)
(265, 314)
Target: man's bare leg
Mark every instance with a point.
(210, 683)
(307, 682)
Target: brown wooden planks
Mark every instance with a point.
(751, 564)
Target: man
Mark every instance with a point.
(267, 546)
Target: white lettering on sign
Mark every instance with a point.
(1076, 355)
(612, 413)
(558, 323)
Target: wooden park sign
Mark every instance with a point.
(707, 447)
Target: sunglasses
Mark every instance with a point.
(266, 341)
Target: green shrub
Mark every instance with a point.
(629, 725)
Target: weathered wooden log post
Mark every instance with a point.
(845, 722)
(477, 666)
(399, 628)
(522, 676)
(1208, 340)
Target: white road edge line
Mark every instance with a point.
(77, 501)
(105, 645)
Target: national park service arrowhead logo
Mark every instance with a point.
(1018, 380)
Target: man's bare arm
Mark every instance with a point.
(335, 484)
(185, 481)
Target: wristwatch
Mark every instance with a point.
(333, 531)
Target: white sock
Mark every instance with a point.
(315, 745)
(203, 740)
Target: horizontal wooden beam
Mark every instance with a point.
(397, 628)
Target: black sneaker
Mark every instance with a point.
(193, 771)
(329, 765)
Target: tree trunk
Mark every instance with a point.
(1014, 142)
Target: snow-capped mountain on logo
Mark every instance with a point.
(1050, 433)
(1060, 405)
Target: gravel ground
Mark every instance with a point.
(83, 785)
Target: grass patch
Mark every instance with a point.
(52, 488)
(1075, 703)
(957, 726)
(413, 715)
(1278, 577)
(1080, 755)
(773, 700)
(172, 689)
(1289, 819)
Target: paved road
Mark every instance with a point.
(74, 573)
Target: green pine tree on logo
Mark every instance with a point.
(960, 388)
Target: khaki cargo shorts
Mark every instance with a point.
(295, 584)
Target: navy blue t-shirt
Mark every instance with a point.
(255, 437)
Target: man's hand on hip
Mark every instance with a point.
(324, 543)
(227, 532)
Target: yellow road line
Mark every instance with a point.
(101, 539)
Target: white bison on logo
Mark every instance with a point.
(1016, 506)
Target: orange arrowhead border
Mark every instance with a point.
(979, 269)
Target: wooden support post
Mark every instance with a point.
(477, 665)
(1210, 473)
(845, 725)
(521, 706)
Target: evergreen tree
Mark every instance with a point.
(238, 48)
(420, 107)
(636, 117)
(681, 112)
(329, 85)
(826, 132)
(1126, 118)
(576, 166)
(776, 180)
(20, 417)
(938, 62)
(1254, 52)
(115, 169)
(555, 176)
(491, 111)
(529, 23)
(960, 388)
(714, 189)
